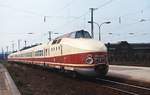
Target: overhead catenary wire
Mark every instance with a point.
(73, 18)
(138, 20)
(39, 14)
(103, 5)
(21, 10)
(63, 17)
(66, 6)
(59, 11)
(59, 27)
(98, 7)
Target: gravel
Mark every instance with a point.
(33, 80)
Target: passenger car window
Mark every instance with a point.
(58, 41)
(54, 42)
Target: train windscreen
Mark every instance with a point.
(82, 34)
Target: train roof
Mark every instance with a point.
(76, 34)
(73, 35)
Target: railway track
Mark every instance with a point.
(124, 88)
(121, 87)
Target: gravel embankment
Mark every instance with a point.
(36, 81)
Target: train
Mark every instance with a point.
(76, 52)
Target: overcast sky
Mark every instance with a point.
(20, 17)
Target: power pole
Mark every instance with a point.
(7, 49)
(12, 47)
(25, 43)
(2, 53)
(19, 45)
(92, 27)
(50, 37)
(92, 34)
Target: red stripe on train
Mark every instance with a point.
(71, 59)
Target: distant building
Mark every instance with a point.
(129, 52)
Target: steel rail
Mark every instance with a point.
(140, 87)
(124, 84)
(127, 92)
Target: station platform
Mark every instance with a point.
(7, 85)
(130, 72)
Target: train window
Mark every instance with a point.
(82, 34)
(54, 42)
(87, 35)
(49, 50)
(58, 41)
(29, 54)
(46, 52)
(42, 52)
(78, 35)
(39, 53)
(59, 47)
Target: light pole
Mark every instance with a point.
(50, 35)
(92, 28)
(3, 54)
(25, 43)
(99, 26)
(19, 45)
(13, 46)
(7, 49)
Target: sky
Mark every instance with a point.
(24, 20)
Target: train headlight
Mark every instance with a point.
(89, 60)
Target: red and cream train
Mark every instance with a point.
(75, 51)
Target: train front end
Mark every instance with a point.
(89, 56)
(94, 57)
